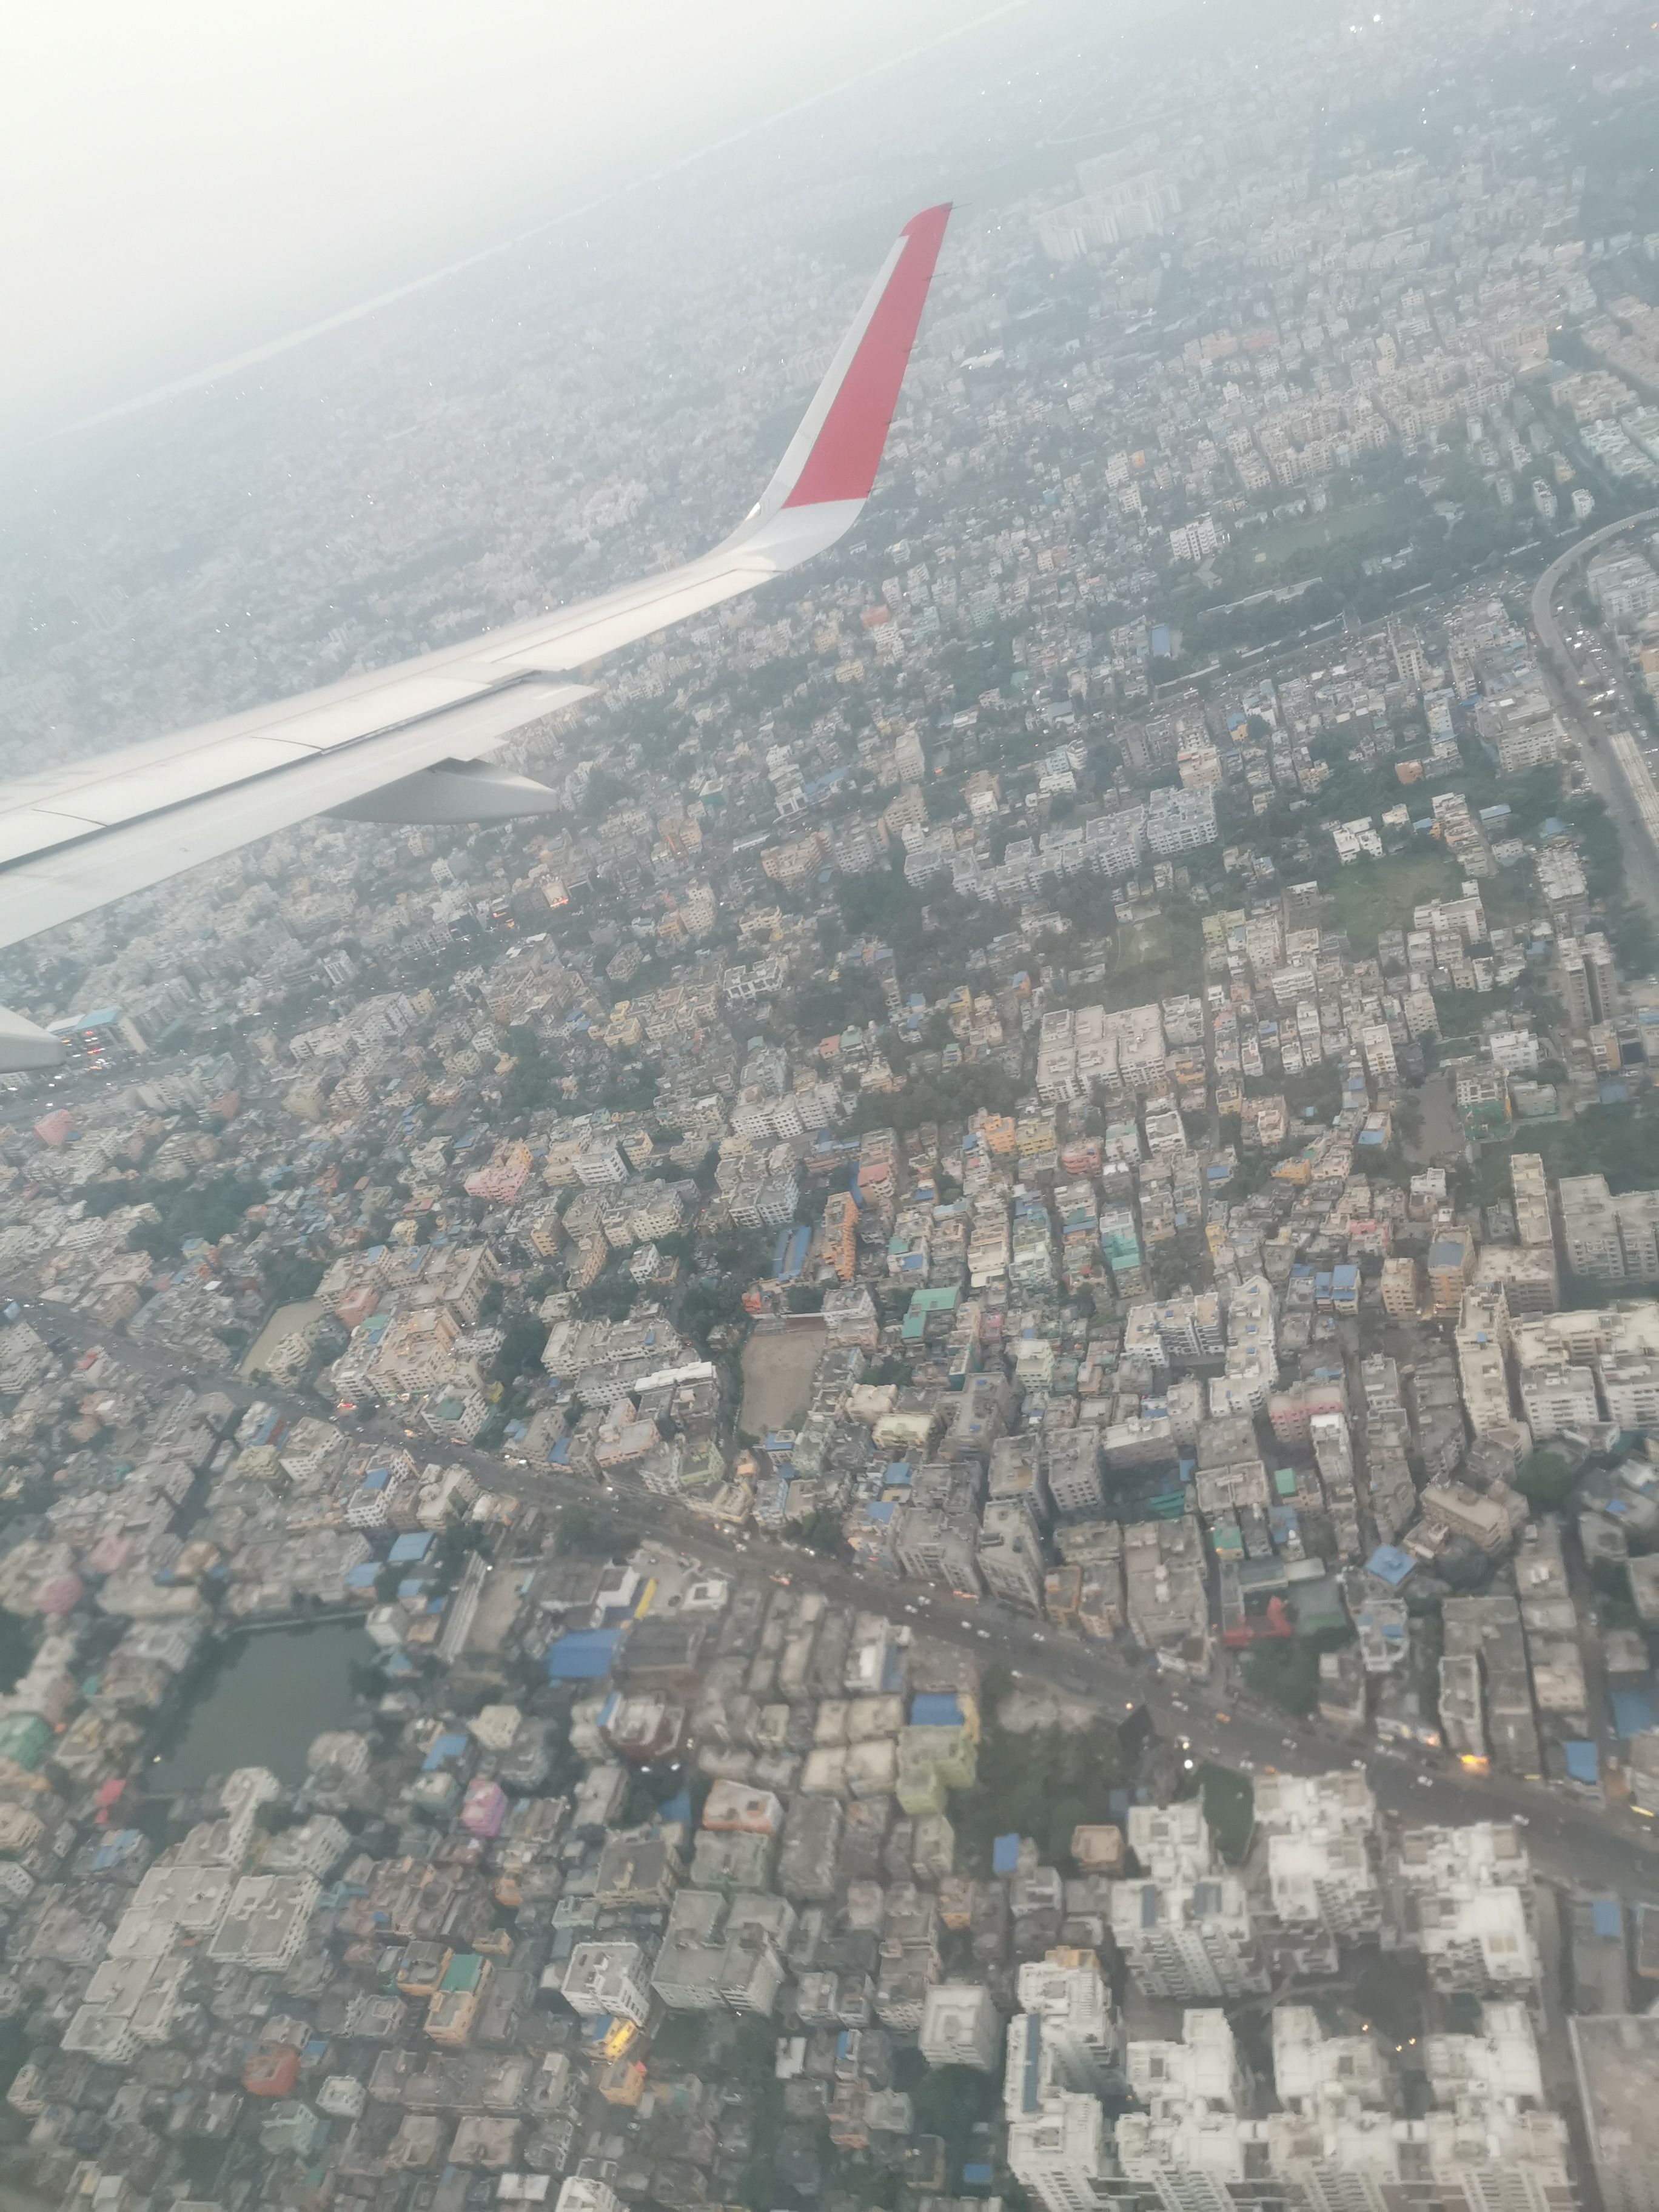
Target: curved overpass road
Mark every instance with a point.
(1618, 769)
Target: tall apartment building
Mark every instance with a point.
(1451, 1263)
(1185, 1927)
(1589, 1228)
(1525, 1274)
(1064, 2051)
(1058, 2152)
(1530, 1192)
(1390, 1487)
(1589, 989)
(1464, 1900)
(1179, 820)
(1010, 1554)
(1630, 1388)
(1610, 1239)
(1333, 1455)
(936, 1539)
(1322, 1878)
(961, 2027)
(1557, 1397)
(1186, 2147)
(1188, 1940)
(609, 1978)
(1065, 2005)
(1492, 1716)
(1482, 1342)
(1401, 1286)
(1074, 1482)
(1490, 2136)
(1487, 2143)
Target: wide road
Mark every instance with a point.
(1618, 771)
(1572, 1838)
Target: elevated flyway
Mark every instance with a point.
(1621, 771)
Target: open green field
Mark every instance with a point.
(1390, 520)
(1619, 1142)
(1155, 959)
(1368, 896)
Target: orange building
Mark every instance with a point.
(838, 1238)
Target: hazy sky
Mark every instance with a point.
(185, 179)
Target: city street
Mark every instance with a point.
(1571, 1837)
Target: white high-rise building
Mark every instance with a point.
(1483, 1342)
(1067, 1997)
(961, 2027)
(1322, 1865)
(608, 1977)
(1185, 1928)
(582, 2194)
(1058, 2153)
(1557, 1397)
(1186, 2146)
(1467, 1898)
(1188, 1940)
(1491, 2136)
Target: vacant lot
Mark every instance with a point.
(1159, 958)
(777, 1375)
(1369, 896)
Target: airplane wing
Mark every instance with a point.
(408, 744)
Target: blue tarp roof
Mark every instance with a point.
(452, 1744)
(413, 1546)
(935, 1709)
(1004, 1854)
(1389, 1565)
(1606, 1918)
(1632, 1712)
(1581, 1761)
(582, 1656)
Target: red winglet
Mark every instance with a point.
(847, 451)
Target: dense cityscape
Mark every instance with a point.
(915, 1463)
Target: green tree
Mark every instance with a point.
(1286, 1671)
(522, 1340)
(1544, 1479)
(16, 1649)
(292, 1277)
(821, 1531)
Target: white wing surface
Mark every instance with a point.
(74, 838)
